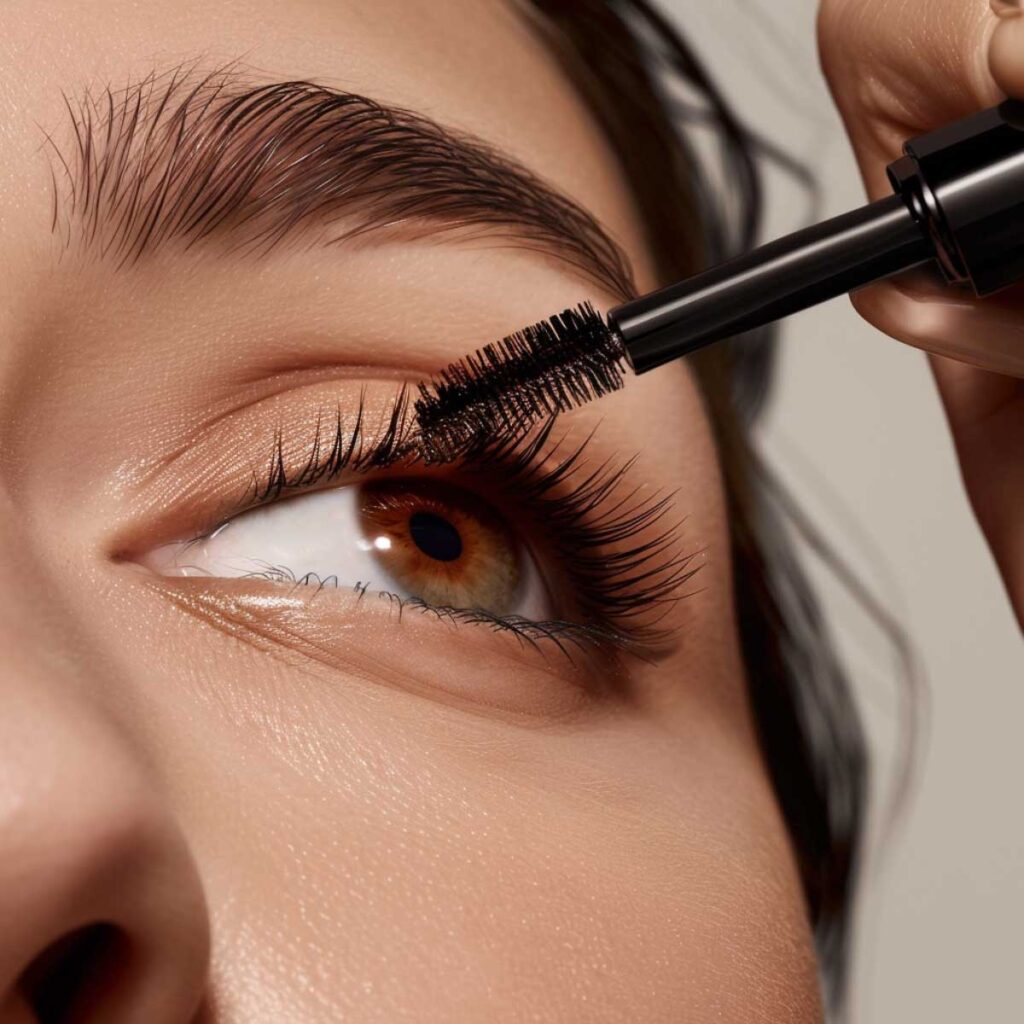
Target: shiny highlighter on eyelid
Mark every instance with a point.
(414, 539)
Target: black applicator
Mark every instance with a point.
(958, 201)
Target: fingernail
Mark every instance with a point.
(1006, 8)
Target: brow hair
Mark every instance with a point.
(189, 157)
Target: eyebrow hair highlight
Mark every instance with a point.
(188, 158)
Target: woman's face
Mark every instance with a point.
(225, 744)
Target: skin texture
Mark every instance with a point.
(898, 69)
(300, 810)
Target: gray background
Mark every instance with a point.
(858, 432)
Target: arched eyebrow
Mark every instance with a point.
(192, 159)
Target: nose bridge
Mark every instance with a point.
(49, 663)
(87, 839)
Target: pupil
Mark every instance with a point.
(435, 537)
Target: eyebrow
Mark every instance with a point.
(179, 157)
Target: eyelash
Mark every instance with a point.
(617, 581)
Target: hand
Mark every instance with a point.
(899, 69)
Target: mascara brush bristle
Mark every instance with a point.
(536, 373)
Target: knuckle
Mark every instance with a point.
(878, 76)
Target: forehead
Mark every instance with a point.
(475, 65)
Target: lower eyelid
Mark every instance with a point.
(381, 641)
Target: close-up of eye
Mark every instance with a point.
(544, 540)
(499, 502)
(415, 539)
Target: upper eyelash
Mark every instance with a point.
(616, 585)
(621, 576)
(346, 451)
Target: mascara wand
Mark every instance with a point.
(958, 201)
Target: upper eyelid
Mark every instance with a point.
(344, 450)
(239, 454)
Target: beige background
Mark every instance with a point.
(858, 431)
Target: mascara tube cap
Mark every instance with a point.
(965, 181)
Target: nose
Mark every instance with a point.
(102, 916)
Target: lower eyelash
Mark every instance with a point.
(568, 638)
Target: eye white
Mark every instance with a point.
(317, 535)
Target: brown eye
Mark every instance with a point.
(442, 544)
(414, 538)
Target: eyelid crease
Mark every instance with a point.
(267, 385)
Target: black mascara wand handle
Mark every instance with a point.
(959, 201)
(772, 282)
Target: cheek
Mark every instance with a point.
(552, 871)
(647, 875)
